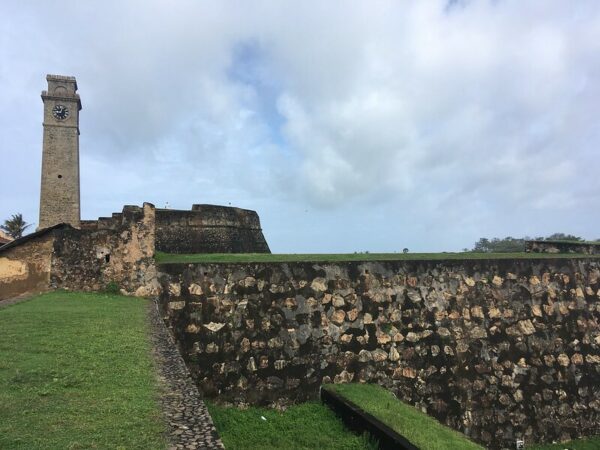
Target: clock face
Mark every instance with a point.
(60, 112)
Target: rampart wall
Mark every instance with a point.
(498, 349)
(120, 249)
(209, 229)
(117, 250)
(26, 268)
(586, 248)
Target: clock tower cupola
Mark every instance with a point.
(59, 196)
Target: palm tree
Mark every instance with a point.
(15, 226)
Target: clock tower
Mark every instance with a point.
(59, 196)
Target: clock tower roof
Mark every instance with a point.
(62, 87)
(63, 78)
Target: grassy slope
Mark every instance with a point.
(75, 372)
(166, 258)
(420, 429)
(307, 426)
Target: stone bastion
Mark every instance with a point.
(119, 250)
(498, 349)
(209, 229)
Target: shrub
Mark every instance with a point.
(112, 288)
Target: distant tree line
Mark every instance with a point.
(512, 245)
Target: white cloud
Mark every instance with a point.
(474, 118)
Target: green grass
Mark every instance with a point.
(306, 426)
(420, 429)
(75, 373)
(580, 444)
(168, 258)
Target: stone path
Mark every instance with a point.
(188, 420)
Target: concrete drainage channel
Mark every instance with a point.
(360, 421)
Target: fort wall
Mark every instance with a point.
(117, 250)
(26, 268)
(209, 229)
(498, 349)
(586, 248)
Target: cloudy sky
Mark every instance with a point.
(348, 125)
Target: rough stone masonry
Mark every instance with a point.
(59, 194)
(119, 251)
(498, 349)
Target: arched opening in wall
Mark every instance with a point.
(60, 176)
(107, 257)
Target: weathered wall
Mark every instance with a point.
(26, 268)
(209, 229)
(118, 250)
(562, 247)
(497, 349)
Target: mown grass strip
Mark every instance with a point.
(420, 429)
(171, 258)
(302, 427)
(75, 373)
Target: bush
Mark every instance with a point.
(112, 288)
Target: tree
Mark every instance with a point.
(495, 245)
(516, 245)
(404, 250)
(15, 226)
(563, 237)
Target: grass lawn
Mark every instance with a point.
(581, 444)
(420, 429)
(306, 426)
(76, 373)
(166, 258)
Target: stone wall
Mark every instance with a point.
(26, 268)
(209, 229)
(117, 250)
(588, 248)
(499, 349)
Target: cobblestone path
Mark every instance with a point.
(189, 425)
